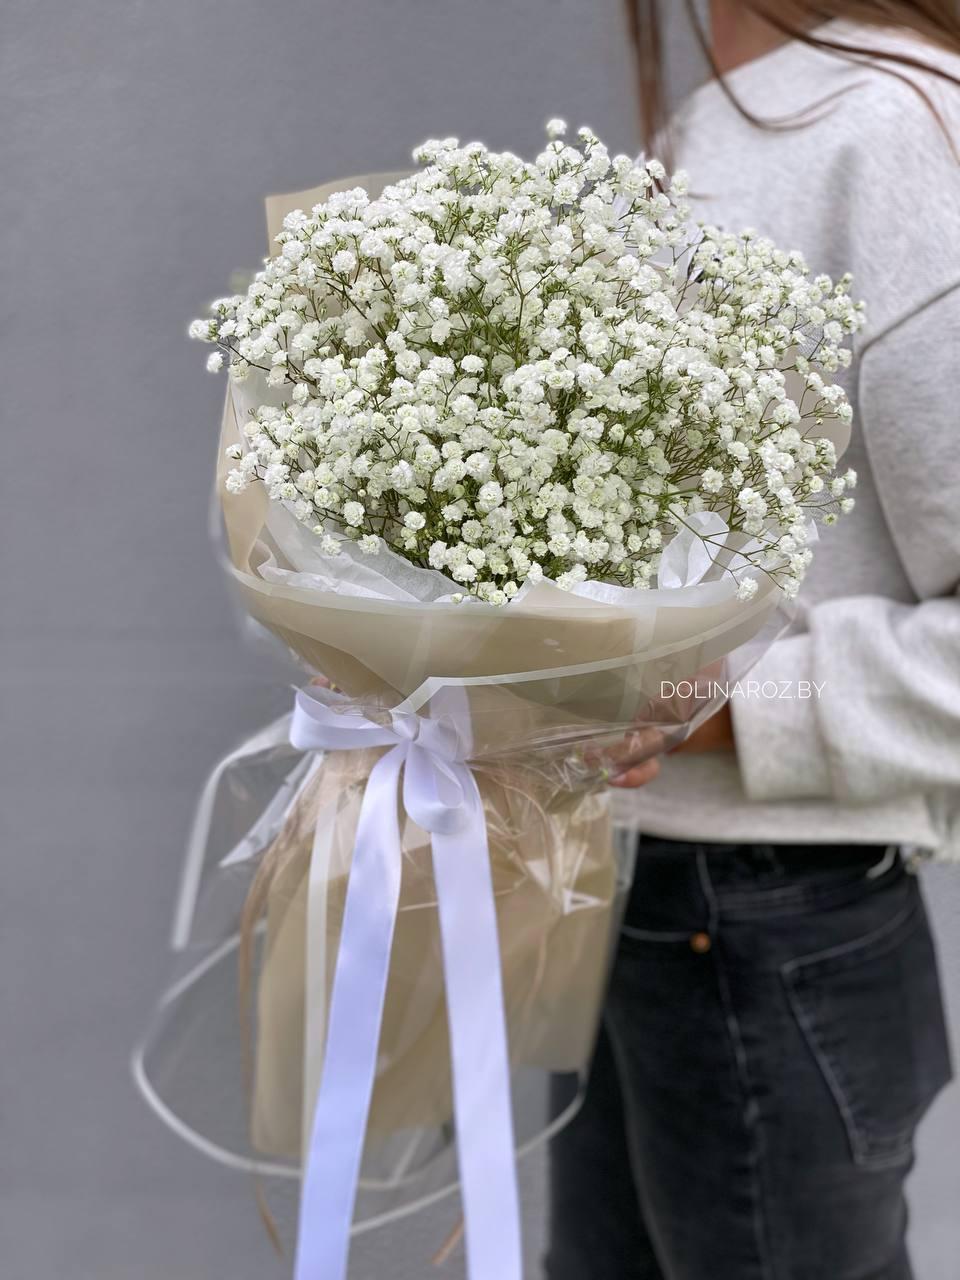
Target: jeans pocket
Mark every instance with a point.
(872, 1014)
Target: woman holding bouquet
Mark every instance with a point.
(775, 1029)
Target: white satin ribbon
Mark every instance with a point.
(426, 766)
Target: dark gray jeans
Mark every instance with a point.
(773, 1034)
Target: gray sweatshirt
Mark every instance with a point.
(872, 187)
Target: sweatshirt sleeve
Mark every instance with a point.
(887, 721)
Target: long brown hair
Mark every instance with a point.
(935, 21)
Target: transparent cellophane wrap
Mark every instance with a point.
(544, 685)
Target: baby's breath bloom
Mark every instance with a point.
(508, 371)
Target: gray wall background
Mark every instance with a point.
(137, 142)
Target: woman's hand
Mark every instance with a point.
(634, 762)
(715, 734)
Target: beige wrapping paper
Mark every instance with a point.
(539, 677)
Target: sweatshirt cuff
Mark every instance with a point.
(780, 750)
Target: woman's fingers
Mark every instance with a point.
(637, 776)
(632, 762)
(632, 749)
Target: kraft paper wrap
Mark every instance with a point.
(537, 675)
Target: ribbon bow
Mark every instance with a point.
(440, 794)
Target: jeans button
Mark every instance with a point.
(700, 942)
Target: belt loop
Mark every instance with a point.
(885, 863)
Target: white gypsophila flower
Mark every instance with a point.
(508, 371)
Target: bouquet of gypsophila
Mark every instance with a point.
(510, 371)
(507, 447)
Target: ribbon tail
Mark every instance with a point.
(478, 1046)
(316, 988)
(332, 1165)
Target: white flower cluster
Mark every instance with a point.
(508, 370)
